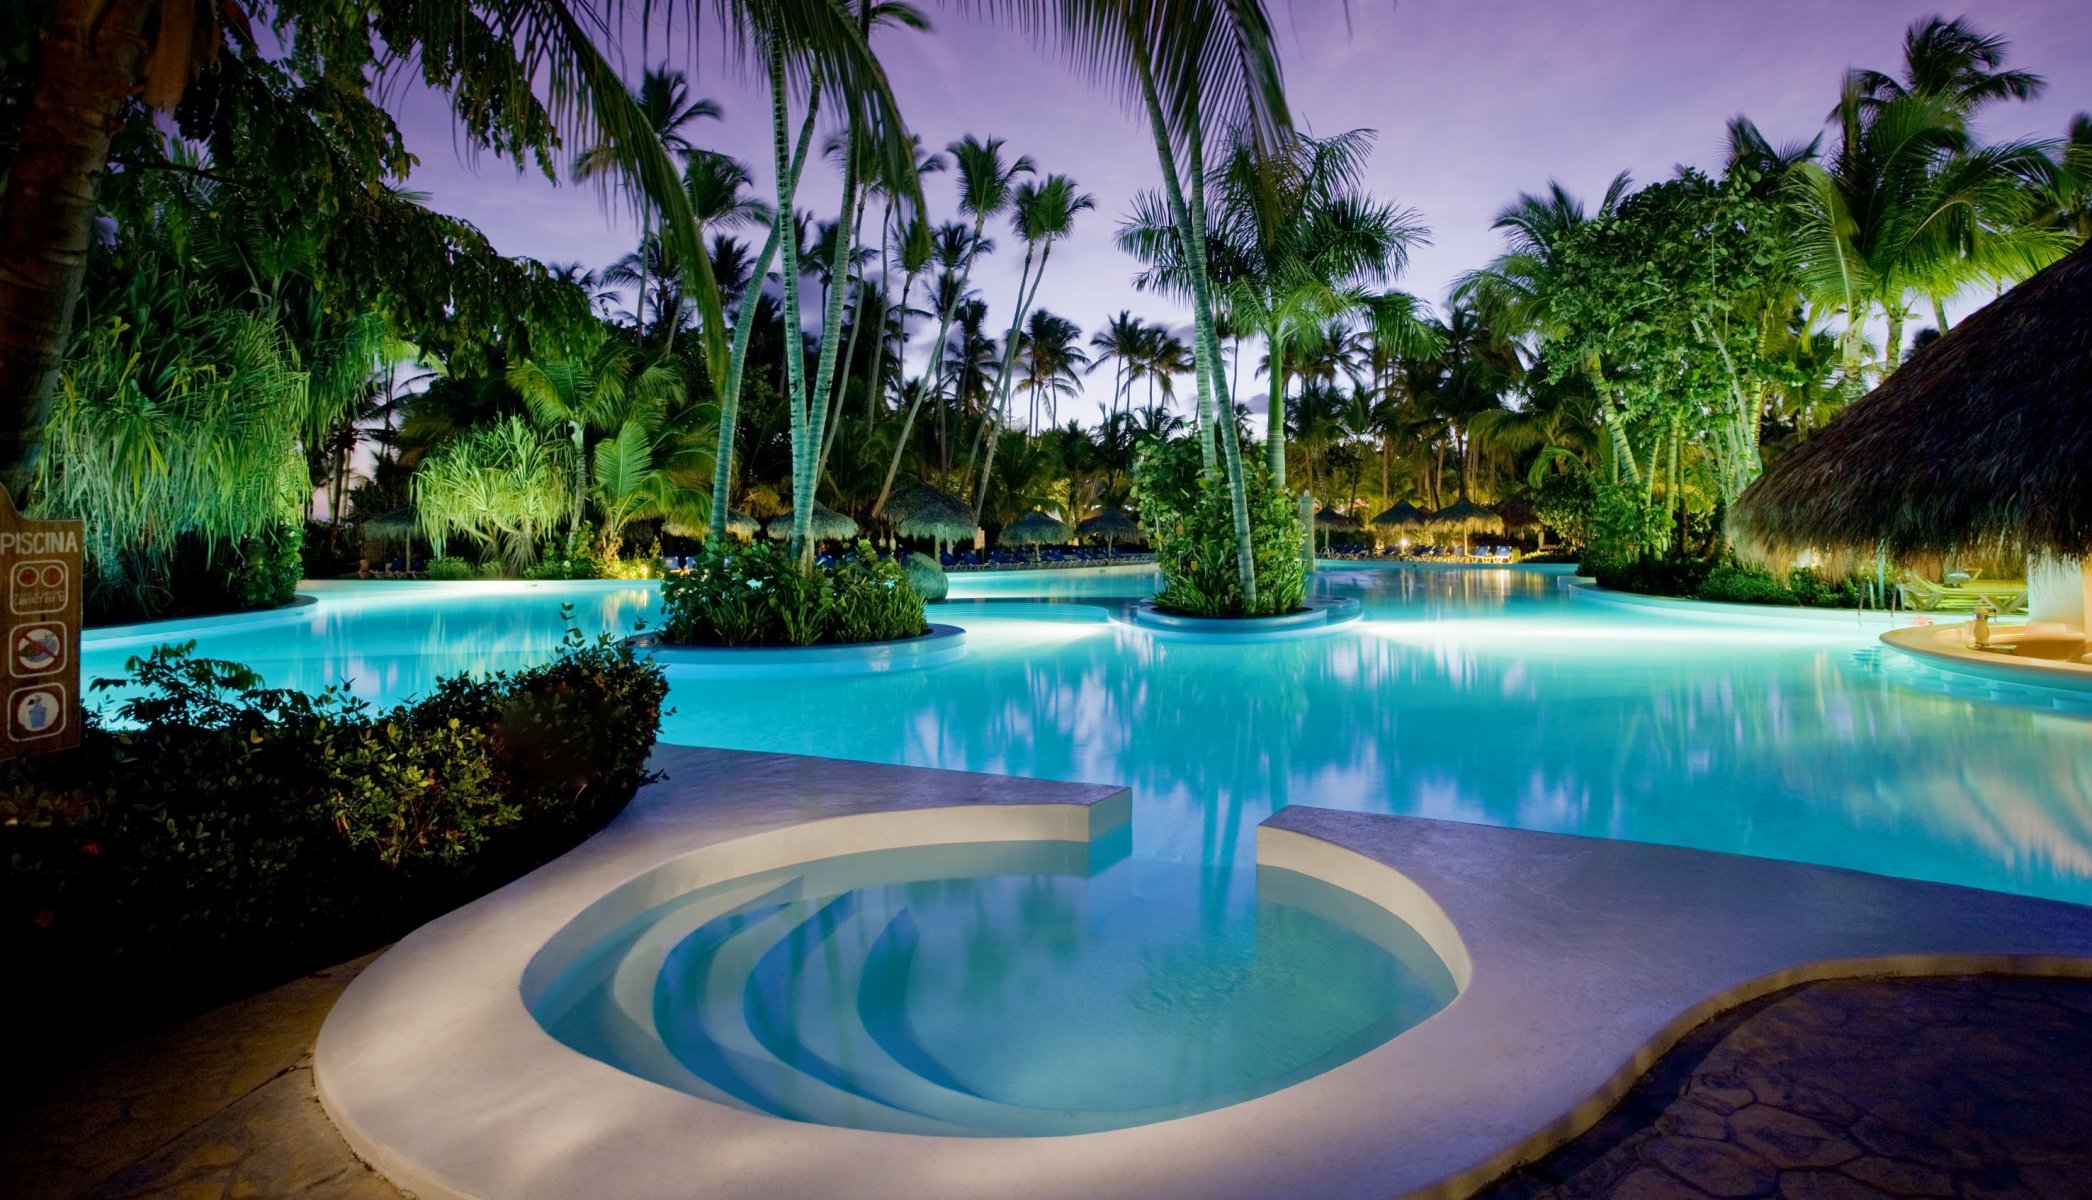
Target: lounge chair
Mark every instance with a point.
(1923, 595)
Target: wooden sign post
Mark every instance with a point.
(40, 610)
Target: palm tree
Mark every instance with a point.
(1052, 356)
(582, 396)
(669, 110)
(1121, 343)
(1904, 204)
(987, 182)
(1194, 66)
(1045, 214)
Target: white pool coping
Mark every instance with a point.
(1945, 648)
(940, 645)
(1580, 961)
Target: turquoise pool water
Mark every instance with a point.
(1474, 695)
(1018, 989)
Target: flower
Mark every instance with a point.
(44, 918)
(91, 849)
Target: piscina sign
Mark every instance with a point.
(40, 610)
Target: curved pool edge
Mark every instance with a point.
(100, 637)
(2062, 684)
(1559, 1020)
(1584, 589)
(1317, 615)
(438, 1075)
(942, 644)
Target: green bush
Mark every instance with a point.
(1735, 584)
(450, 570)
(1189, 520)
(225, 831)
(927, 576)
(754, 595)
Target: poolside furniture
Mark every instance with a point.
(1923, 595)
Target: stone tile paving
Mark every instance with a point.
(1963, 1088)
(1861, 1089)
(219, 1106)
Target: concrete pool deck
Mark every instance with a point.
(1582, 960)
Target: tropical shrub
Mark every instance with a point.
(450, 570)
(1805, 586)
(218, 831)
(754, 595)
(1189, 520)
(1568, 504)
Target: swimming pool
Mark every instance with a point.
(1468, 694)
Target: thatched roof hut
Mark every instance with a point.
(1402, 515)
(1981, 446)
(925, 511)
(1331, 519)
(826, 526)
(1036, 529)
(1466, 517)
(1113, 525)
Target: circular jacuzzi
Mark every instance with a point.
(989, 989)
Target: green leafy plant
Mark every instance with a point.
(1188, 516)
(753, 595)
(450, 570)
(215, 822)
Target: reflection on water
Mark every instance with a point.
(1475, 695)
(1012, 989)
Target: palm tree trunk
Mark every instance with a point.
(744, 333)
(788, 270)
(1001, 403)
(91, 65)
(807, 460)
(1189, 217)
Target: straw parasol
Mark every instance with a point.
(1402, 515)
(827, 525)
(1036, 529)
(399, 525)
(1331, 519)
(738, 523)
(928, 512)
(1517, 514)
(1980, 446)
(1466, 518)
(1113, 525)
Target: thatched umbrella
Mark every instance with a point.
(1330, 520)
(925, 511)
(738, 523)
(827, 525)
(1402, 520)
(1466, 518)
(1036, 529)
(1981, 446)
(401, 525)
(1113, 525)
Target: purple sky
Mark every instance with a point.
(1474, 101)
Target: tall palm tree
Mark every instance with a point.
(1045, 213)
(1052, 357)
(987, 182)
(669, 110)
(1193, 66)
(1120, 343)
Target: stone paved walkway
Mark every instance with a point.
(1854, 1089)
(219, 1106)
(1964, 1088)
